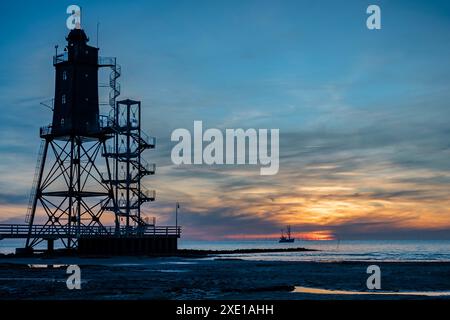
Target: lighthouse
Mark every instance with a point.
(76, 105)
(88, 188)
(68, 197)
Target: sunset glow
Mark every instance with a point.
(364, 151)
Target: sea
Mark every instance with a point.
(327, 251)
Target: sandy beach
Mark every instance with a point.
(224, 277)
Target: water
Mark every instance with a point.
(299, 289)
(352, 250)
(9, 245)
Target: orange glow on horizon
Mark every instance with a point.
(324, 235)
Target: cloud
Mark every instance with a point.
(363, 130)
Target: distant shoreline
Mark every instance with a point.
(180, 253)
(241, 251)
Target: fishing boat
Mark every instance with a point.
(283, 238)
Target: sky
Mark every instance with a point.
(363, 114)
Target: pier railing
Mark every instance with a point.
(17, 231)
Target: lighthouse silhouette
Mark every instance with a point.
(76, 108)
(90, 166)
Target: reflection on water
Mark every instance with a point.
(178, 262)
(126, 264)
(47, 266)
(386, 293)
(34, 279)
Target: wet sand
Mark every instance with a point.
(215, 278)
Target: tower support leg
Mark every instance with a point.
(50, 245)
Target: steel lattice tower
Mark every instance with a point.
(90, 166)
(68, 185)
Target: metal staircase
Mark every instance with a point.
(143, 168)
(35, 181)
(129, 168)
(143, 141)
(116, 71)
(143, 195)
(113, 84)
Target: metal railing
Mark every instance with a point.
(52, 231)
(102, 61)
(149, 194)
(45, 130)
(148, 139)
(105, 122)
(146, 166)
(122, 150)
(60, 58)
(106, 61)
